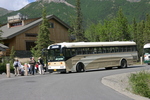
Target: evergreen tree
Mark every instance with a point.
(12, 55)
(43, 38)
(92, 33)
(78, 25)
(134, 28)
(1, 32)
(146, 34)
(140, 40)
(122, 26)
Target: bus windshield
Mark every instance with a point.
(147, 50)
(55, 55)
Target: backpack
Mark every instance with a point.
(16, 64)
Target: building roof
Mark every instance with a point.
(3, 47)
(9, 33)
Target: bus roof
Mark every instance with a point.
(147, 45)
(94, 44)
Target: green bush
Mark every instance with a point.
(140, 83)
(3, 65)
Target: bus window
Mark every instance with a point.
(129, 48)
(112, 49)
(91, 50)
(99, 50)
(95, 50)
(67, 53)
(78, 51)
(73, 52)
(53, 53)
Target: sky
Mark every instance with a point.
(14, 4)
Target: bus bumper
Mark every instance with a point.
(56, 70)
(147, 61)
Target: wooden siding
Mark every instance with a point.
(57, 34)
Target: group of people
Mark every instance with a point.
(33, 66)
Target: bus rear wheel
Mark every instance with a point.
(123, 63)
(80, 67)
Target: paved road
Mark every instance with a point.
(73, 86)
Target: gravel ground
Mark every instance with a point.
(120, 83)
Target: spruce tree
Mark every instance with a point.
(146, 34)
(134, 28)
(12, 55)
(78, 23)
(43, 38)
(1, 32)
(122, 24)
(140, 39)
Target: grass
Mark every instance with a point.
(140, 83)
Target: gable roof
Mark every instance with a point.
(3, 47)
(9, 33)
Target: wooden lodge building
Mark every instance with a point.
(22, 32)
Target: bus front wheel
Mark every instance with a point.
(123, 63)
(80, 67)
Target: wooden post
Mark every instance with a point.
(26, 69)
(141, 59)
(8, 70)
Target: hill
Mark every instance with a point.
(3, 11)
(93, 10)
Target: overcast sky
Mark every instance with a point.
(14, 4)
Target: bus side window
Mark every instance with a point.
(117, 49)
(95, 50)
(134, 48)
(84, 50)
(100, 50)
(103, 50)
(129, 48)
(79, 51)
(73, 52)
(112, 49)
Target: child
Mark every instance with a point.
(37, 67)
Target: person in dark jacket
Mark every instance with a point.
(32, 63)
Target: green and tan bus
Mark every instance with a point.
(84, 56)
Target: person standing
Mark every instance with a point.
(16, 65)
(32, 63)
(41, 65)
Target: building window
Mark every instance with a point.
(30, 44)
(15, 24)
(51, 25)
(31, 35)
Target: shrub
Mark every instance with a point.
(140, 83)
(3, 66)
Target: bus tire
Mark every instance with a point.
(80, 67)
(123, 63)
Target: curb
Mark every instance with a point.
(119, 83)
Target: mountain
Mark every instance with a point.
(4, 11)
(92, 10)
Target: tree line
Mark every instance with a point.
(115, 29)
(118, 29)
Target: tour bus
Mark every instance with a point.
(84, 56)
(147, 53)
